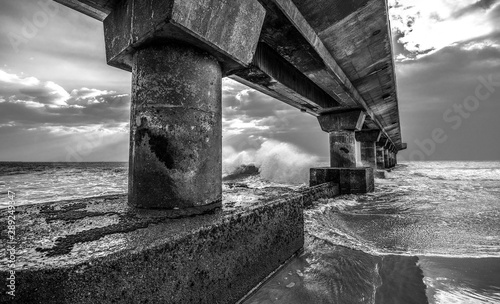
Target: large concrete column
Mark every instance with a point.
(176, 128)
(344, 154)
(368, 140)
(178, 52)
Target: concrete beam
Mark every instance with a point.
(227, 30)
(270, 74)
(341, 121)
(368, 135)
(97, 9)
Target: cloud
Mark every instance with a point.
(32, 89)
(28, 102)
(423, 27)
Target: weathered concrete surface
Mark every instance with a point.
(271, 74)
(229, 30)
(380, 158)
(343, 149)
(368, 140)
(350, 180)
(100, 250)
(176, 128)
(344, 120)
(387, 158)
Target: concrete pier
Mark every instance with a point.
(345, 153)
(177, 53)
(176, 129)
(368, 140)
(342, 127)
(338, 67)
(380, 158)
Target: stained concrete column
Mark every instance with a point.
(341, 128)
(342, 149)
(178, 52)
(176, 128)
(368, 140)
(380, 158)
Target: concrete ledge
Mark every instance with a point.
(99, 250)
(350, 180)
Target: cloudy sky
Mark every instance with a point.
(59, 101)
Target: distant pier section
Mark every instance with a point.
(329, 58)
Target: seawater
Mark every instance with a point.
(430, 233)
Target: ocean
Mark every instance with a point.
(430, 233)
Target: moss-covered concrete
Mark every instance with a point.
(100, 250)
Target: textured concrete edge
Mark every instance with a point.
(270, 276)
(220, 263)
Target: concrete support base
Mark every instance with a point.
(176, 129)
(99, 250)
(350, 180)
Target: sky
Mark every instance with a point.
(60, 101)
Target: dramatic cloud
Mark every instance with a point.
(448, 53)
(423, 27)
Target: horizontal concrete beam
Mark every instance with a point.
(340, 121)
(97, 9)
(368, 135)
(273, 75)
(227, 30)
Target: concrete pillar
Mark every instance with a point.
(342, 127)
(344, 154)
(343, 149)
(380, 158)
(178, 52)
(387, 158)
(368, 140)
(176, 128)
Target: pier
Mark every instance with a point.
(176, 237)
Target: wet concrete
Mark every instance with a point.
(100, 250)
(176, 128)
(350, 180)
